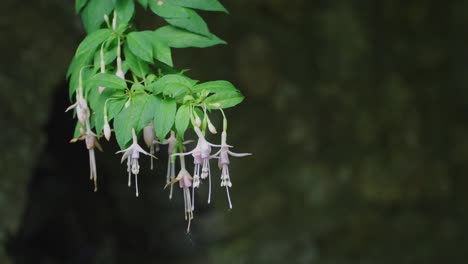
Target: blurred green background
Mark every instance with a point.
(355, 112)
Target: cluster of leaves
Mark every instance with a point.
(150, 89)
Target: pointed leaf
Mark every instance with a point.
(137, 116)
(173, 85)
(207, 5)
(168, 11)
(93, 13)
(139, 67)
(140, 44)
(182, 119)
(193, 23)
(93, 41)
(125, 10)
(215, 87)
(161, 51)
(107, 80)
(180, 38)
(164, 117)
(223, 100)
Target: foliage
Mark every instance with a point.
(127, 77)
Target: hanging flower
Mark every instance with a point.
(150, 140)
(201, 156)
(223, 162)
(171, 143)
(82, 110)
(91, 143)
(185, 181)
(132, 154)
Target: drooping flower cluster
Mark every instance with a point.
(127, 77)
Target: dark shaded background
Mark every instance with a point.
(355, 112)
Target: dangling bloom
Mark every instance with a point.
(223, 162)
(150, 139)
(185, 181)
(107, 129)
(171, 143)
(91, 143)
(119, 72)
(103, 67)
(82, 110)
(201, 156)
(132, 154)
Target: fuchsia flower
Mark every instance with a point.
(223, 162)
(185, 181)
(82, 110)
(150, 140)
(132, 154)
(171, 143)
(201, 158)
(91, 143)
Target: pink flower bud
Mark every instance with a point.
(211, 128)
(149, 135)
(101, 89)
(120, 74)
(107, 131)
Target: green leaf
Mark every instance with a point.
(148, 111)
(215, 87)
(207, 5)
(223, 100)
(107, 80)
(164, 117)
(125, 10)
(182, 119)
(143, 3)
(93, 14)
(167, 11)
(173, 85)
(79, 62)
(79, 4)
(137, 115)
(138, 67)
(93, 41)
(140, 44)
(193, 23)
(97, 102)
(180, 38)
(161, 51)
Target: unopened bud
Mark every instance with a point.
(114, 21)
(106, 18)
(149, 135)
(197, 121)
(107, 131)
(211, 127)
(101, 89)
(127, 104)
(160, 3)
(120, 74)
